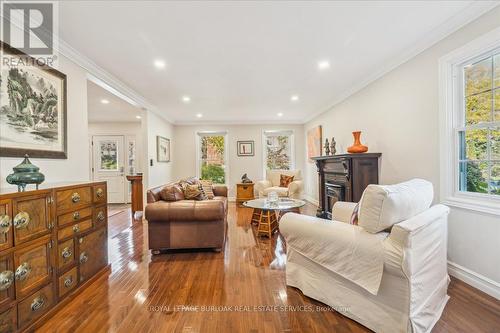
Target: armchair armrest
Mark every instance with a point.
(295, 188)
(261, 185)
(220, 190)
(342, 211)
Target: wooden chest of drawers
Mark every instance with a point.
(244, 192)
(53, 243)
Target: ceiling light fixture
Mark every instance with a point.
(104, 101)
(199, 115)
(138, 117)
(160, 64)
(323, 64)
(186, 99)
(294, 98)
(280, 114)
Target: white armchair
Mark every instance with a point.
(389, 272)
(272, 183)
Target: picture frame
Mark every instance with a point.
(33, 112)
(162, 149)
(314, 142)
(246, 148)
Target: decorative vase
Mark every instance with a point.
(357, 147)
(25, 173)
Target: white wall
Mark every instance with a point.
(75, 167)
(185, 155)
(398, 115)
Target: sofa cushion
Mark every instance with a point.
(172, 192)
(186, 210)
(274, 175)
(194, 192)
(282, 191)
(207, 186)
(382, 206)
(285, 180)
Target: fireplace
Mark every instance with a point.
(334, 192)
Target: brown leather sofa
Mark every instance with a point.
(186, 224)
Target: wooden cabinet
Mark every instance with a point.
(244, 192)
(51, 241)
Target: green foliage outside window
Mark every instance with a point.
(212, 156)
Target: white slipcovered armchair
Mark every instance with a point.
(272, 183)
(389, 272)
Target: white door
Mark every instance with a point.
(108, 165)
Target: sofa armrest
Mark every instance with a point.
(220, 190)
(185, 210)
(295, 189)
(261, 185)
(342, 211)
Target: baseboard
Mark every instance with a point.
(231, 199)
(476, 280)
(311, 200)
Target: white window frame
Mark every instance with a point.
(198, 137)
(291, 134)
(451, 119)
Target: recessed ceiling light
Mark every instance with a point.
(138, 117)
(199, 115)
(186, 99)
(280, 114)
(294, 98)
(104, 101)
(160, 64)
(323, 64)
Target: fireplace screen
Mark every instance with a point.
(334, 193)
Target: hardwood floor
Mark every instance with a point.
(245, 284)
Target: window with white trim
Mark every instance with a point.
(478, 125)
(278, 150)
(212, 156)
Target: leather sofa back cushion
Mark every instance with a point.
(382, 206)
(172, 192)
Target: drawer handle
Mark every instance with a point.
(68, 281)
(22, 271)
(99, 192)
(6, 279)
(76, 228)
(76, 215)
(66, 253)
(75, 197)
(100, 216)
(37, 303)
(4, 224)
(21, 220)
(83, 258)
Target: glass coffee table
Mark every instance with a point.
(267, 214)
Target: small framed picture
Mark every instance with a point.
(162, 149)
(245, 148)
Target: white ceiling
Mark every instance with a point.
(241, 61)
(117, 110)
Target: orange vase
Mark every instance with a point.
(357, 147)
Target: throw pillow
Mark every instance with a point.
(285, 180)
(354, 216)
(193, 192)
(172, 193)
(208, 188)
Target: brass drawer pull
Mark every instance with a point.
(4, 224)
(68, 281)
(99, 192)
(83, 258)
(100, 216)
(66, 253)
(76, 228)
(76, 215)
(22, 271)
(6, 279)
(37, 303)
(21, 220)
(75, 197)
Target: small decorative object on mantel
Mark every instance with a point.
(357, 147)
(333, 149)
(25, 173)
(245, 179)
(327, 147)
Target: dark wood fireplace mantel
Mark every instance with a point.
(344, 178)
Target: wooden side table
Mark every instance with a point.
(244, 192)
(136, 181)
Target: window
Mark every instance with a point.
(212, 156)
(278, 150)
(479, 127)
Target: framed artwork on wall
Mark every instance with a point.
(33, 116)
(314, 140)
(246, 148)
(162, 149)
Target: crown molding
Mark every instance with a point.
(239, 123)
(464, 17)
